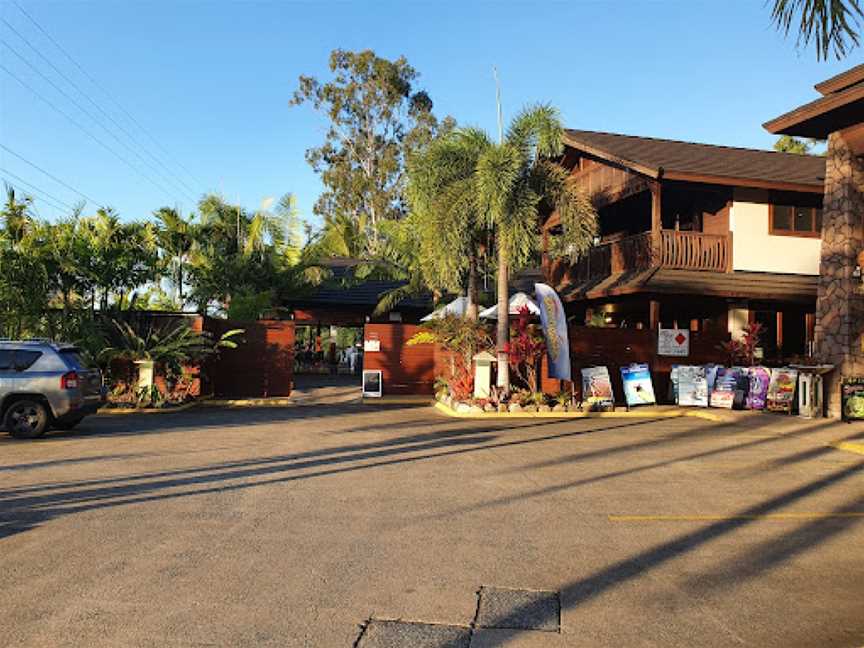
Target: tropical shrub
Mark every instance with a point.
(524, 350)
(743, 351)
(462, 338)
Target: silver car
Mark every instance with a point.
(44, 385)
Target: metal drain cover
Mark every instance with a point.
(519, 609)
(401, 634)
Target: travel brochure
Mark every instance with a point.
(754, 388)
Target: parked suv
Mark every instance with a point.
(43, 385)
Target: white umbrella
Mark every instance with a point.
(517, 301)
(457, 307)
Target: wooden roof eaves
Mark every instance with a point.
(841, 81)
(814, 109)
(642, 169)
(702, 178)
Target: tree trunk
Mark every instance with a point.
(503, 322)
(471, 311)
(179, 295)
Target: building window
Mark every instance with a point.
(788, 220)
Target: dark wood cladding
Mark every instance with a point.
(404, 369)
(606, 184)
(261, 367)
(618, 347)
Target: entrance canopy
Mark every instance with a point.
(517, 301)
(458, 306)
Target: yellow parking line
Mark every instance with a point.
(849, 446)
(714, 518)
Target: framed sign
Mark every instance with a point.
(757, 397)
(781, 390)
(372, 383)
(725, 388)
(673, 342)
(597, 389)
(371, 345)
(852, 396)
(638, 389)
(692, 386)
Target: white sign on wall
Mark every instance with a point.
(673, 342)
(372, 345)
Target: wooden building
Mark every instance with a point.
(694, 235)
(838, 116)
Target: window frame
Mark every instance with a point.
(812, 233)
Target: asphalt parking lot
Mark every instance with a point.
(349, 525)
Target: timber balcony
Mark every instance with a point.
(673, 250)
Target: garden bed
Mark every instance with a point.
(472, 410)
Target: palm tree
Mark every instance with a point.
(176, 236)
(831, 24)
(17, 219)
(516, 182)
(452, 230)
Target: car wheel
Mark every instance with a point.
(67, 424)
(26, 419)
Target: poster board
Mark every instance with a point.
(725, 386)
(692, 386)
(597, 389)
(373, 383)
(852, 398)
(781, 390)
(638, 389)
(673, 383)
(673, 342)
(760, 379)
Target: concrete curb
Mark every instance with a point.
(119, 411)
(849, 446)
(248, 402)
(642, 412)
(399, 400)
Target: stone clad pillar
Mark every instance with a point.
(840, 301)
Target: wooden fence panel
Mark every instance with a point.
(404, 369)
(617, 347)
(261, 367)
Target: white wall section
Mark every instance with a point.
(755, 250)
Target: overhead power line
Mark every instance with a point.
(83, 129)
(164, 172)
(53, 177)
(36, 189)
(108, 95)
(94, 119)
(24, 192)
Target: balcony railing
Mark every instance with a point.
(676, 250)
(695, 251)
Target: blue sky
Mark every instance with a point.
(210, 82)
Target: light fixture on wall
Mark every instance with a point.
(857, 272)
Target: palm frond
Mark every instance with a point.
(832, 25)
